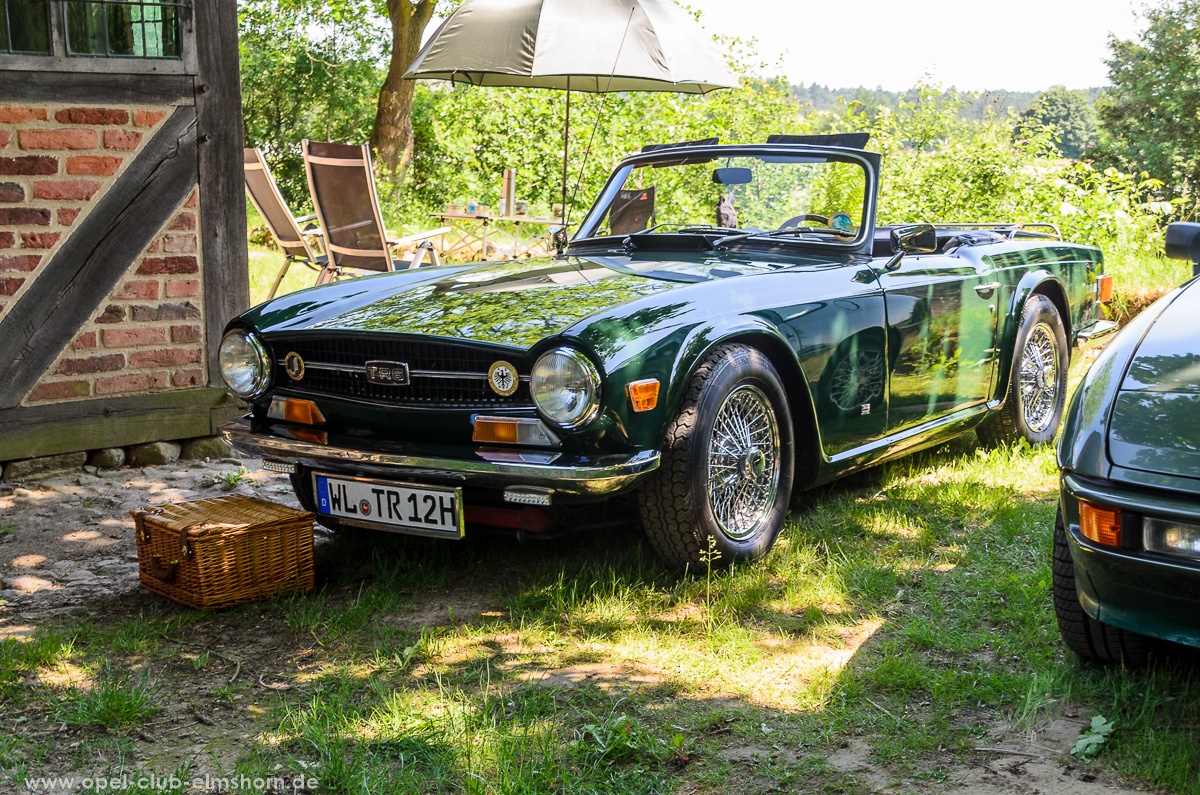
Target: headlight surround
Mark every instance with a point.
(244, 364)
(566, 387)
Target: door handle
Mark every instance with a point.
(986, 290)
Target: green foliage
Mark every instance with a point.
(1071, 117)
(1149, 114)
(1091, 740)
(116, 703)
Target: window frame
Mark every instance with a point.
(59, 61)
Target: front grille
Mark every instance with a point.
(469, 390)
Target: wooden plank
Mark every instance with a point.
(44, 86)
(29, 432)
(89, 264)
(222, 181)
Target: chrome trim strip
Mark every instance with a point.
(572, 479)
(446, 374)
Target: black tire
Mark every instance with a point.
(1033, 405)
(677, 510)
(1091, 639)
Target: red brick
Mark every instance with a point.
(28, 166)
(154, 247)
(84, 341)
(132, 338)
(191, 202)
(145, 290)
(121, 139)
(78, 189)
(185, 333)
(4, 138)
(179, 244)
(23, 216)
(11, 115)
(113, 313)
(188, 378)
(92, 364)
(156, 265)
(60, 390)
(66, 216)
(58, 139)
(10, 286)
(23, 263)
(184, 221)
(148, 118)
(7, 240)
(184, 288)
(91, 116)
(141, 382)
(166, 357)
(93, 164)
(11, 192)
(39, 239)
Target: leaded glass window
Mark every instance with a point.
(25, 27)
(115, 28)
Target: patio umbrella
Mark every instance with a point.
(596, 46)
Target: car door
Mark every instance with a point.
(941, 334)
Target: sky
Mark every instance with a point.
(1017, 45)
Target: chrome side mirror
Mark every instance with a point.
(915, 238)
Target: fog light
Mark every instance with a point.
(643, 395)
(304, 412)
(513, 430)
(1101, 525)
(1171, 538)
(527, 495)
(286, 467)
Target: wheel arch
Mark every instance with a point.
(1047, 285)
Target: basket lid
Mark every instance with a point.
(221, 515)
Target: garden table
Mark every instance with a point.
(519, 234)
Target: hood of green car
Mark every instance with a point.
(514, 303)
(1155, 421)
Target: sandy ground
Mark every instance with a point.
(67, 547)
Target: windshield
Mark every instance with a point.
(819, 197)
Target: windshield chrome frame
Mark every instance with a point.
(868, 161)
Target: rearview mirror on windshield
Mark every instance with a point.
(732, 176)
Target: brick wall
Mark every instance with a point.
(56, 162)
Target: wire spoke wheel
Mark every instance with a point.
(743, 461)
(1039, 378)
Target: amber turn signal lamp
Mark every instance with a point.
(495, 429)
(643, 395)
(1104, 288)
(1101, 525)
(302, 411)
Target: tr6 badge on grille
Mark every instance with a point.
(294, 366)
(387, 373)
(502, 378)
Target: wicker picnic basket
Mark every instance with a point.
(224, 551)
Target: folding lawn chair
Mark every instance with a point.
(343, 193)
(285, 229)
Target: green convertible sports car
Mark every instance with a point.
(727, 326)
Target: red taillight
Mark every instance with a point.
(1101, 525)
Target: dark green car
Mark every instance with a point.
(1127, 537)
(728, 326)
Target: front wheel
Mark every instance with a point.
(1089, 638)
(721, 492)
(1037, 384)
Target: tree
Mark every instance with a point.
(392, 135)
(1151, 116)
(1071, 117)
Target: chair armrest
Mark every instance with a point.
(417, 237)
(312, 217)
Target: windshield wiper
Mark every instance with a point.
(791, 230)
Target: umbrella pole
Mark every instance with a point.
(560, 239)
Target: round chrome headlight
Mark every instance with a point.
(244, 363)
(565, 387)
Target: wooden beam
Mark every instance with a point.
(148, 89)
(29, 432)
(222, 179)
(70, 287)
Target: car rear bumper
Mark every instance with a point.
(1148, 593)
(483, 467)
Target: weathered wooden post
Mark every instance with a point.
(122, 223)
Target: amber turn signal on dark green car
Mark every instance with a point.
(729, 325)
(1127, 537)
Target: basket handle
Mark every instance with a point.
(161, 568)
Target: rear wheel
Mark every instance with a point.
(1084, 635)
(721, 493)
(1037, 384)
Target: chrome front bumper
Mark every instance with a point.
(485, 467)
(1096, 332)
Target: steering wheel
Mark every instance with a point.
(799, 219)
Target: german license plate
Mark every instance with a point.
(400, 507)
